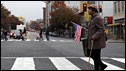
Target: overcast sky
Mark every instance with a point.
(31, 10)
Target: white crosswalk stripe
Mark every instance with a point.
(61, 40)
(119, 59)
(44, 40)
(61, 63)
(2, 40)
(28, 40)
(10, 40)
(110, 66)
(41, 40)
(23, 64)
(36, 40)
(53, 40)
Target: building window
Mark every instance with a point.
(123, 6)
(115, 7)
(118, 6)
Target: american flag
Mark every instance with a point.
(77, 32)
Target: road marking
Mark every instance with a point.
(119, 59)
(36, 40)
(44, 40)
(10, 40)
(38, 57)
(60, 57)
(69, 41)
(63, 64)
(23, 64)
(2, 40)
(18, 40)
(28, 40)
(53, 40)
(61, 40)
(110, 66)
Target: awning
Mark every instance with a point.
(113, 24)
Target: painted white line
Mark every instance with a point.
(23, 64)
(86, 59)
(56, 57)
(44, 40)
(2, 40)
(63, 64)
(18, 40)
(119, 59)
(10, 40)
(69, 41)
(28, 40)
(110, 66)
(36, 40)
(53, 40)
(61, 40)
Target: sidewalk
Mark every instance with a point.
(116, 41)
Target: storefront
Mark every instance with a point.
(123, 25)
(115, 31)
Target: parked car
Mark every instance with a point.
(12, 33)
(17, 34)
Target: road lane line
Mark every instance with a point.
(119, 59)
(58, 57)
(53, 40)
(110, 66)
(61, 40)
(10, 40)
(44, 40)
(69, 41)
(28, 40)
(63, 64)
(23, 64)
(36, 40)
(2, 40)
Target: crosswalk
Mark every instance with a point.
(59, 63)
(52, 40)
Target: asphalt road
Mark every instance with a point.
(64, 48)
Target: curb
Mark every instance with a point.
(111, 41)
(116, 42)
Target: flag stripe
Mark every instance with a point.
(77, 32)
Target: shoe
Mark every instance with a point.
(103, 67)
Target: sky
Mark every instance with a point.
(31, 10)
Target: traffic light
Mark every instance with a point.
(100, 8)
(84, 7)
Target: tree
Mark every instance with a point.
(13, 21)
(7, 19)
(54, 15)
(4, 17)
(35, 25)
(64, 15)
